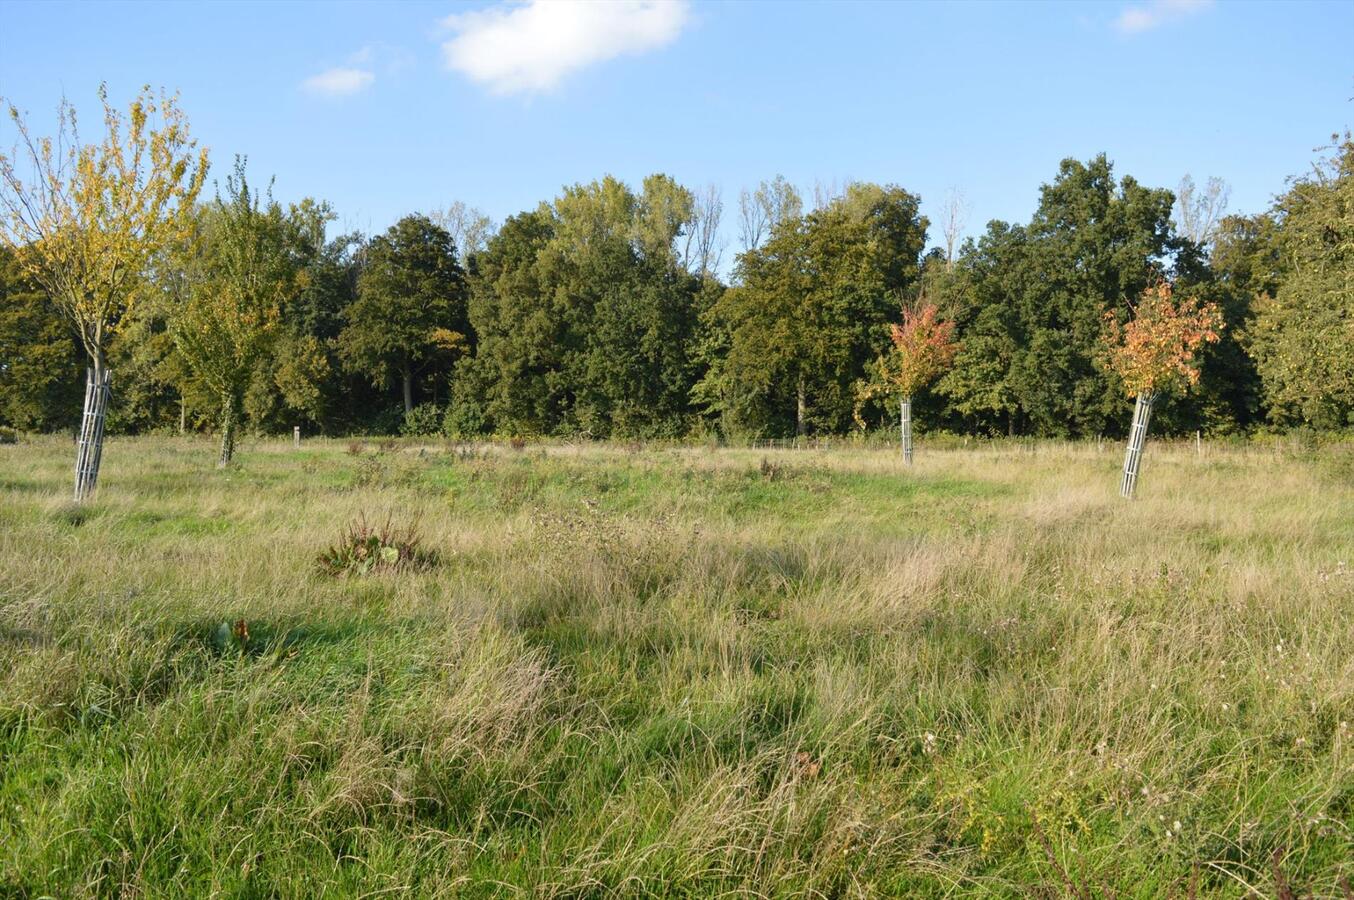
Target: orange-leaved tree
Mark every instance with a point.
(1155, 352)
(923, 348)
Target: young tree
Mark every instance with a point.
(410, 307)
(86, 219)
(1155, 352)
(923, 348)
(239, 280)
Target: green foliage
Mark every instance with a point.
(238, 275)
(410, 309)
(41, 362)
(464, 419)
(592, 316)
(422, 420)
(808, 311)
(1303, 333)
(584, 318)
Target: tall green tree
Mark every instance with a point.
(410, 312)
(1037, 295)
(1303, 333)
(809, 310)
(584, 316)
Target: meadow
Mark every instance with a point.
(676, 671)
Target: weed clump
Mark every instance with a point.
(771, 471)
(365, 549)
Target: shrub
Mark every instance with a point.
(424, 419)
(464, 420)
(364, 549)
(388, 421)
(8, 436)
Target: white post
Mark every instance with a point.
(296, 435)
(905, 426)
(1137, 438)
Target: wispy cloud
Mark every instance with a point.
(532, 46)
(390, 58)
(1146, 16)
(339, 81)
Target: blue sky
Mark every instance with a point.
(385, 108)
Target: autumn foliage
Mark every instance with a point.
(923, 348)
(1156, 350)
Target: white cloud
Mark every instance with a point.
(339, 81)
(532, 46)
(1137, 19)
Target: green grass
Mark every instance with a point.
(678, 672)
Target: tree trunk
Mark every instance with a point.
(800, 426)
(89, 447)
(228, 415)
(408, 389)
(1137, 438)
(905, 428)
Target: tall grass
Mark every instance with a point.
(679, 672)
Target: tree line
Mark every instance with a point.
(605, 312)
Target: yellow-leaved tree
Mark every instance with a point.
(1155, 352)
(85, 222)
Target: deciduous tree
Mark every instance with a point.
(1303, 334)
(923, 348)
(1155, 352)
(86, 219)
(240, 277)
(410, 309)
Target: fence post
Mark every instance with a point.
(296, 435)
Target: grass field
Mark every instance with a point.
(678, 672)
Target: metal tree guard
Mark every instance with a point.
(905, 427)
(1137, 438)
(89, 450)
